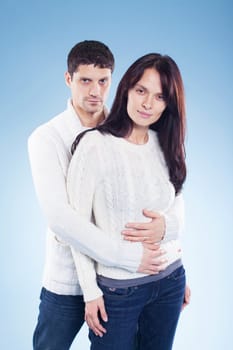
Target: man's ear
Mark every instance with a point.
(68, 78)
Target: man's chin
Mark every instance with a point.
(94, 109)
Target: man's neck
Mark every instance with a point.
(89, 119)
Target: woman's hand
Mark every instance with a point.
(94, 309)
(149, 232)
(153, 260)
(187, 297)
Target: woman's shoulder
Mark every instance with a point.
(91, 144)
(92, 138)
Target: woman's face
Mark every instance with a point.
(145, 100)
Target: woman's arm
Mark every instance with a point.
(82, 180)
(93, 296)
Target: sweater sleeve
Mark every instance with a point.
(50, 185)
(174, 219)
(82, 178)
(85, 267)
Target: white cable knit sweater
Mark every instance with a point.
(49, 152)
(111, 180)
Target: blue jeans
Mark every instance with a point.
(60, 319)
(148, 312)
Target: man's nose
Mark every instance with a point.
(94, 90)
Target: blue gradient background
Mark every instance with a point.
(35, 39)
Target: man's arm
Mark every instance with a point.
(50, 184)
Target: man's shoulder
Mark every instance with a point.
(53, 127)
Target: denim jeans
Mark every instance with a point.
(60, 319)
(148, 312)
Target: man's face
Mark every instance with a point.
(89, 87)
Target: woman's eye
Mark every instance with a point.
(160, 97)
(140, 91)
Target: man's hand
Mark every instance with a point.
(150, 232)
(152, 260)
(94, 309)
(187, 297)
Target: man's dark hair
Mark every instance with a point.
(90, 52)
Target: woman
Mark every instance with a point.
(135, 159)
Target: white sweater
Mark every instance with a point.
(111, 180)
(49, 152)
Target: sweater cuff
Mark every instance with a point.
(130, 255)
(92, 292)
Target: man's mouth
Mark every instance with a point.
(94, 100)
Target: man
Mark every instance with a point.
(90, 64)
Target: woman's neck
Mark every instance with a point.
(138, 136)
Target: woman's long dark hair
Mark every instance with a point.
(171, 125)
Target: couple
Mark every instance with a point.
(123, 185)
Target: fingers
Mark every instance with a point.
(153, 269)
(153, 259)
(149, 232)
(93, 310)
(138, 226)
(134, 229)
(145, 225)
(133, 233)
(187, 297)
(142, 239)
(137, 235)
(184, 305)
(154, 247)
(95, 325)
(147, 236)
(103, 313)
(151, 214)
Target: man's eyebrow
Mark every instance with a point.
(107, 78)
(88, 78)
(83, 77)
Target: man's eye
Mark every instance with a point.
(85, 81)
(103, 81)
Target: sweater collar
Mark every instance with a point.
(75, 120)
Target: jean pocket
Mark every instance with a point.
(178, 274)
(118, 293)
